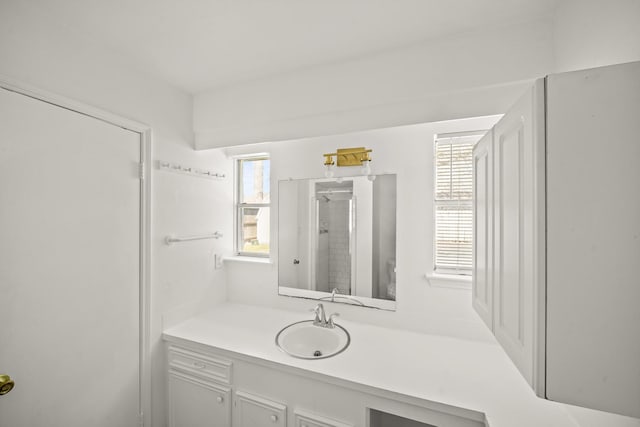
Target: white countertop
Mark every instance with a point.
(466, 374)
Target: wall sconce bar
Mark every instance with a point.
(348, 157)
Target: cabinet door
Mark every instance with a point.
(593, 354)
(197, 403)
(483, 228)
(519, 238)
(255, 411)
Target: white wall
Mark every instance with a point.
(466, 75)
(406, 151)
(44, 54)
(592, 33)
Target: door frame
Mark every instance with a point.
(145, 135)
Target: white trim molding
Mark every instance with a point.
(453, 281)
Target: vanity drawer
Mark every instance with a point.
(307, 419)
(200, 365)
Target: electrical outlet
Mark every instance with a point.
(217, 261)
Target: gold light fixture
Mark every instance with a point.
(348, 157)
(358, 156)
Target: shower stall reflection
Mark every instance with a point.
(334, 236)
(337, 239)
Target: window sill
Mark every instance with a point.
(453, 281)
(249, 259)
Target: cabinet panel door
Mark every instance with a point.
(195, 403)
(513, 311)
(593, 354)
(483, 228)
(255, 411)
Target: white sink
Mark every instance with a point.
(305, 340)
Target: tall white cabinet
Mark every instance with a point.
(557, 237)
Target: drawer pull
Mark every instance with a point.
(273, 418)
(219, 399)
(199, 365)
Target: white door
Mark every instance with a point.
(593, 196)
(483, 228)
(69, 267)
(288, 231)
(514, 198)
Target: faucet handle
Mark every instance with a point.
(317, 312)
(330, 323)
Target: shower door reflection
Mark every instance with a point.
(334, 230)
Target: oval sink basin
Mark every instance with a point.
(305, 340)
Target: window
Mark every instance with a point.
(453, 159)
(253, 199)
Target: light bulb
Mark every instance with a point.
(366, 169)
(328, 172)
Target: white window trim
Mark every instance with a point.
(249, 259)
(454, 281)
(443, 279)
(238, 254)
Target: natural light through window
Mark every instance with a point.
(253, 211)
(453, 159)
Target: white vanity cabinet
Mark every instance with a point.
(199, 392)
(556, 226)
(267, 394)
(203, 393)
(256, 411)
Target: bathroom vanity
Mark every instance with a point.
(224, 369)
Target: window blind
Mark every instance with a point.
(453, 208)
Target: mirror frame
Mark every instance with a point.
(322, 296)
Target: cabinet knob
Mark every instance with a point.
(273, 418)
(199, 365)
(219, 399)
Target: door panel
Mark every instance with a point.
(69, 267)
(515, 249)
(483, 229)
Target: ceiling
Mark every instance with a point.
(203, 44)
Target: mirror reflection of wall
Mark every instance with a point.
(337, 239)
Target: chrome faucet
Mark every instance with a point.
(321, 317)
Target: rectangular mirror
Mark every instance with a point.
(337, 239)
